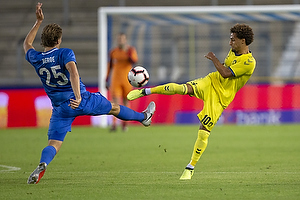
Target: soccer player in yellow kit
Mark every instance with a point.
(217, 89)
(121, 60)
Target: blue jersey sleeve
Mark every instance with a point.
(68, 56)
(27, 56)
(31, 57)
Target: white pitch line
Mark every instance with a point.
(9, 168)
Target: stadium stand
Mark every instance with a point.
(79, 23)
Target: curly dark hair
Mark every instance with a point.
(243, 31)
(50, 35)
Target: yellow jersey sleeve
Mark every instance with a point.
(240, 65)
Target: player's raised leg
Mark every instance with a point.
(127, 114)
(149, 114)
(167, 89)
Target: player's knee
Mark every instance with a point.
(115, 109)
(190, 90)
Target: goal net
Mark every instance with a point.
(171, 41)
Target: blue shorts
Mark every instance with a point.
(63, 115)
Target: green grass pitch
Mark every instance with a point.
(240, 162)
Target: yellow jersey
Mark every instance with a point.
(242, 67)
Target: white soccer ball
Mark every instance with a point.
(138, 76)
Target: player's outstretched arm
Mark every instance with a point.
(32, 33)
(224, 71)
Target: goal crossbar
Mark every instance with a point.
(199, 9)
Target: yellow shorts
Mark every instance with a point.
(212, 108)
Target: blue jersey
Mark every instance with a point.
(51, 68)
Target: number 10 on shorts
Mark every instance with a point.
(207, 121)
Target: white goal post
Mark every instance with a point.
(206, 15)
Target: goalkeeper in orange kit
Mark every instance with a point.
(120, 62)
(217, 89)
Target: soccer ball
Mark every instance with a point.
(138, 76)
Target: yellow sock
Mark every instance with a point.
(200, 146)
(170, 89)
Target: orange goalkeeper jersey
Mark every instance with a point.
(119, 65)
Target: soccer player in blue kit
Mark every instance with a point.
(57, 70)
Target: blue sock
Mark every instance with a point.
(128, 114)
(48, 154)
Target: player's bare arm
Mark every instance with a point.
(32, 33)
(75, 83)
(224, 71)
